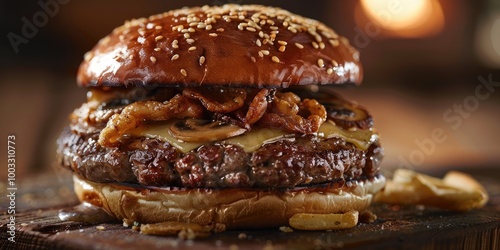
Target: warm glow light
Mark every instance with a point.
(487, 40)
(405, 18)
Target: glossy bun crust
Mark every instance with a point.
(230, 45)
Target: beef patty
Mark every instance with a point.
(300, 161)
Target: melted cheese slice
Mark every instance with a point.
(254, 139)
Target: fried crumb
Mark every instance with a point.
(242, 236)
(101, 228)
(186, 234)
(286, 229)
(367, 217)
(127, 222)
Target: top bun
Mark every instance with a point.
(230, 45)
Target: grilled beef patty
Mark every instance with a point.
(300, 161)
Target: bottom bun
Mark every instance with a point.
(233, 207)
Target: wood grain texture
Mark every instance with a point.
(397, 227)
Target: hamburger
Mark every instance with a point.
(222, 115)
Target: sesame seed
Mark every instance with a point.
(190, 41)
(300, 46)
(192, 48)
(88, 56)
(321, 45)
(157, 49)
(186, 35)
(131, 57)
(265, 52)
(153, 59)
(258, 42)
(213, 34)
(158, 38)
(220, 29)
(334, 43)
(344, 40)
(321, 63)
(282, 42)
(184, 31)
(202, 60)
(141, 31)
(191, 30)
(261, 34)
(175, 57)
(261, 54)
(251, 29)
(183, 72)
(282, 48)
(335, 63)
(318, 38)
(175, 46)
(201, 26)
(175, 42)
(275, 59)
(329, 71)
(158, 27)
(274, 27)
(253, 59)
(315, 45)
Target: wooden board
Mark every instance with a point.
(38, 227)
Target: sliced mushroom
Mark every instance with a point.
(196, 130)
(349, 115)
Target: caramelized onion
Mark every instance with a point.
(221, 100)
(286, 114)
(257, 107)
(132, 116)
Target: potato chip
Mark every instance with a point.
(456, 191)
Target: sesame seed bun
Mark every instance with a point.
(230, 45)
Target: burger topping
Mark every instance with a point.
(203, 115)
(249, 140)
(223, 100)
(195, 130)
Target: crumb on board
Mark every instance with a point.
(286, 229)
(242, 236)
(367, 217)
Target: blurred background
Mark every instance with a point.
(432, 72)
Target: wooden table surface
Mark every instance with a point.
(397, 227)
